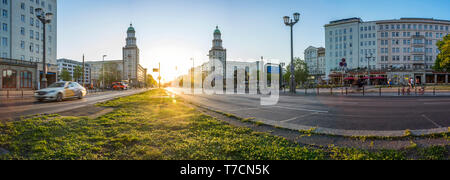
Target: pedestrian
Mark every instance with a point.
(389, 83)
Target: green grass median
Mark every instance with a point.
(158, 126)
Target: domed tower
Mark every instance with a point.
(218, 52)
(131, 37)
(217, 41)
(131, 58)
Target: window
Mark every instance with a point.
(5, 27)
(4, 41)
(5, 13)
(9, 78)
(22, 44)
(22, 31)
(22, 18)
(26, 79)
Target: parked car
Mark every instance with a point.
(60, 91)
(120, 86)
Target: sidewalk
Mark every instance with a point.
(369, 91)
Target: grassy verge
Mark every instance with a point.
(155, 125)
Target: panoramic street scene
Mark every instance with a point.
(224, 80)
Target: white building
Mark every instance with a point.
(21, 36)
(70, 66)
(406, 44)
(315, 59)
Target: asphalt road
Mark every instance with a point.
(338, 112)
(16, 108)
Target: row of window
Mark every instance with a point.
(408, 50)
(9, 79)
(414, 27)
(42, 4)
(408, 34)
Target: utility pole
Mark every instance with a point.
(84, 73)
(159, 76)
(368, 68)
(103, 72)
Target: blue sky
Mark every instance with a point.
(173, 31)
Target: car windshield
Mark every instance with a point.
(58, 85)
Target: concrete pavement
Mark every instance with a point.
(339, 115)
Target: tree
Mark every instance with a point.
(65, 75)
(443, 59)
(78, 73)
(151, 82)
(300, 71)
(111, 74)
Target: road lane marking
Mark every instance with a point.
(298, 117)
(424, 116)
(301, 109)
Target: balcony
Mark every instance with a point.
(16, 62)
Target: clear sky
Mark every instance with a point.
(173, 31)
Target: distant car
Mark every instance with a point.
(120, 86)
(60, 91)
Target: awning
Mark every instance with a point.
(349, 78)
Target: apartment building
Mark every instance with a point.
(21, 43)
(399, 49)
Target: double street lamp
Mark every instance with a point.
(291, 22)
(45, 18)
(368, 67)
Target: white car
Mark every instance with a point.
(60, 91)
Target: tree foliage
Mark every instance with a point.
(111, 74)
(65, 75)
(151, 82)
(443, 59)
(300, 71)
(78, 73)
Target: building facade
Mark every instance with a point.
(70, 66)
(21, 39)
(315, 60)
(113, 69)
(406, 45)
(132, 69)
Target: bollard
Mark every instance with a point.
(306, 91)
(346, 91)
(364, 90)
(434, 91)
(398, 91)
(415, 90)
(380, 91)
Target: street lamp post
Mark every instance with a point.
(103, 72)
(291, 22)
(45, 18)
(368, 67)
